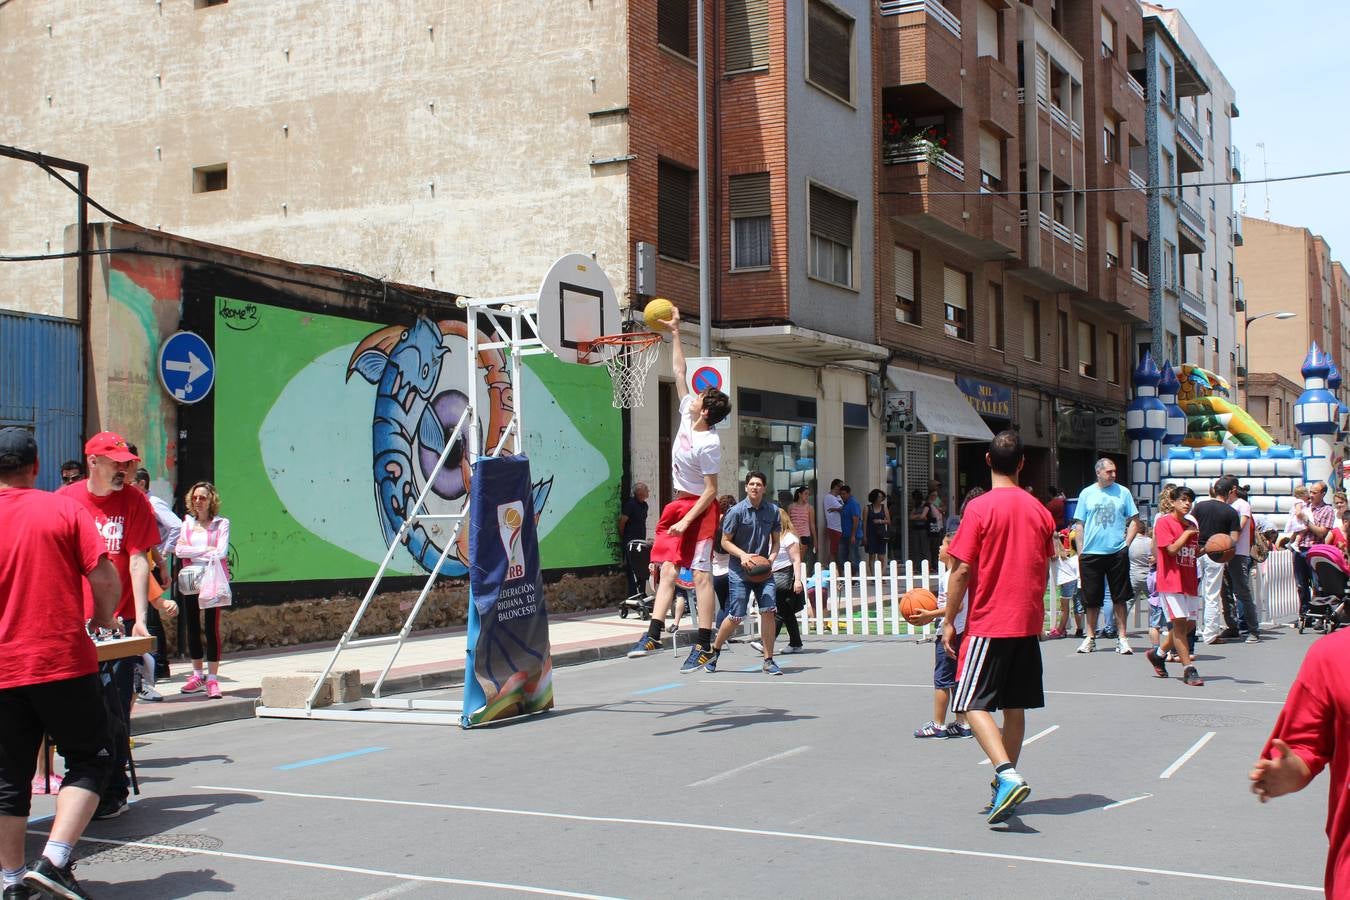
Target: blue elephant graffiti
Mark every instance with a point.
(415, 414)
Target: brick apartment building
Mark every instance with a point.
(1288, 269)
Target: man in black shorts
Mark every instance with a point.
(1104, 523)
(1001, 556)
(48, 665)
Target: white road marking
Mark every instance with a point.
(353, 870)
(1035, 737)
(756, 832)
(731, 773)
(397, 890)
(1185, 757)
(796, 682)
(1126, 802)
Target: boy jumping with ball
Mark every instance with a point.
(688, 525)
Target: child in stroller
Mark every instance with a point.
(1328, 607)
(639, 559)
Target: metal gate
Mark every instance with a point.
(42, 387)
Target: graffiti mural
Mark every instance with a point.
(411, 428)
(328, 428)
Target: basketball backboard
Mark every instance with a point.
(576, 304)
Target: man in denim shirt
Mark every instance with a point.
(750, 528)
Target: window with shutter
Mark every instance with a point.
(829, 50)
(1063, 319)
(906, 263)
(672, 25)
(956, 303)
(1112, 243)
(751, 221)
(747, 35)
(1031, 329)
(1113, 358)
(674, 211)
(831, 251)
(1108, 36)
(1110, 140)
(1087, 349)
(991, 161)
(997, 316)
(986, 22)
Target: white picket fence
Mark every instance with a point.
(867, 603)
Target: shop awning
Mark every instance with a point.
(940, 405)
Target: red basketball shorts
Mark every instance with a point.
(693, 548)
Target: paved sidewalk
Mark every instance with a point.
(427, 661)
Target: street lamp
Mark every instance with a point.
(1246, 324)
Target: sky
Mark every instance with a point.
(1289, 64)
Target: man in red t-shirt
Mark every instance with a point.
(1002, 552)
(48, 665)
(127, 522)
(1311, 732)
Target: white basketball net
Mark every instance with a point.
(629, 357)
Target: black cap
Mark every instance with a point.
(17, 448)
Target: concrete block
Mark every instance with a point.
(291, 691)
(344, 685)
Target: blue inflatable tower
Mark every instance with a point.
(1146, 426)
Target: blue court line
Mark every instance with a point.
(334, 758)
(843, 648)
(659, 688)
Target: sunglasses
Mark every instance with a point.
(70, 479)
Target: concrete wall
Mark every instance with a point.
(416, 141)
(832, 144)
(1273, 263)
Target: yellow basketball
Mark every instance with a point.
(512, 517)
(657, 310)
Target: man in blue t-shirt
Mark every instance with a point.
(851, 524)
(1104, 523)
(750, 528)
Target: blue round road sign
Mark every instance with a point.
(187, 368)
(706, 377)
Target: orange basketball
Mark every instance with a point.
(757, 570)
(916, 601)
(1219, 548)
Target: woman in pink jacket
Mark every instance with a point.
(204, 539)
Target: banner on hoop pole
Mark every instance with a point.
(509, 668)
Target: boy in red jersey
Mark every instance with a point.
(1177, 539)
(1001, 555)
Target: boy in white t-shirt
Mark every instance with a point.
(688, 524)
(944, 666)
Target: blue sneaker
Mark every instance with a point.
(711, 665)
(931, 730)
(647, 644)
(771, 667)
(698, 657)
(1012, 789)
(957, 730)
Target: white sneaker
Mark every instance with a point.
(757, 647)
(1123, 646)
(1089, 644)
(149, 694)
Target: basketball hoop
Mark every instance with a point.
(628, 357)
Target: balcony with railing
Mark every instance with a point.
(1235, 227)
(1190, 227)
(920, 44)
(1235, 161)
(1138, 182)
(1194, 312)
(1139, 278)
(1134, 86)
(1190, 144)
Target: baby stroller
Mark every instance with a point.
(1330, 603)
(639, 559)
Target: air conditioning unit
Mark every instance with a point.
(1240, 305)
(1242, 371)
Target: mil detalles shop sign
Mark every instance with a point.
(988, 399)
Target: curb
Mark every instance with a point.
(229, 709)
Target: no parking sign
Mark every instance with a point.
(705, 372)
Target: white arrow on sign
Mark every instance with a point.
(194, 366)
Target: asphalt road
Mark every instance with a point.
(645, 783)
